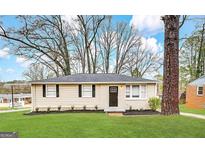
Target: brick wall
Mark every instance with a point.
(192, 99)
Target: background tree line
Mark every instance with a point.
(84, 44)
(192, 53)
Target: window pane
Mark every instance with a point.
(200, 90)
(143, 91)
(127, 91)
(51, 91)
(135, 91)
(87, 91)
(86, 94)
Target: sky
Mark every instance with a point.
(150, 28)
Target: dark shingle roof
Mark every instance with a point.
(101, 77)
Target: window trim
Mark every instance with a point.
(126, 91)
(197, 92)
(136, 98)
(145, 91)
(82, 92)
(53, 96)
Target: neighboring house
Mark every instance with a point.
(20, 99)
(108, 92)
(195, 93)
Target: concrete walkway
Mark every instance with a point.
(199, 116)
(17, 110)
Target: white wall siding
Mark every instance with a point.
(68, 96)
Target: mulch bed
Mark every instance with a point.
(142, 112)
(128, 112)
(66, 111)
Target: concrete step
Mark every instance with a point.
(118, 114)
(114, 109)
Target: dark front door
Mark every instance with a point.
(113, 96)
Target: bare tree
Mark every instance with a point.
(119, 46)
(41, 38)
(107, 43)
(126, 40)
(143, 61)
(38, 72)
(87, 27)
(90, 44)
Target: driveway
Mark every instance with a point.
(7, 105)
(16, 110)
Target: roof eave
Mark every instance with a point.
(127, 82)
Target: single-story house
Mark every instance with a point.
(195, 93)
(19, 99)
(108, 92)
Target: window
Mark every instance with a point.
(127, 91)
(87, 90)
(51, 91)
(135, 91)
(143, 91)
(21, 99)
(200, 90)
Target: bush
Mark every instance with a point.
(37, 109)
(96, 107)
(48, 109)
(182, 99)
(154, 103)
(59, 108)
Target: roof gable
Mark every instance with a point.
(198, 82)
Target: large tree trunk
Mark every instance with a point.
(170, 98)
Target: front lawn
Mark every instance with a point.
(183, 108)
(100, 125)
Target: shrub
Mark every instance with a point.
(37, 109)
(154, 103)
(59, 108)
(141, 109)
(96, 107)
(182, 99)
(48, 109)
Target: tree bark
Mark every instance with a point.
(170, 98)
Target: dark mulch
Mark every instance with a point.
(141, 112)
(66, 111)
(128, 112)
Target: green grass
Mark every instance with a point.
(183, 108)
(83, 125)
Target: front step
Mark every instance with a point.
(115, 114)
(114, 110)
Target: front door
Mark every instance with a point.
(113, 96)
